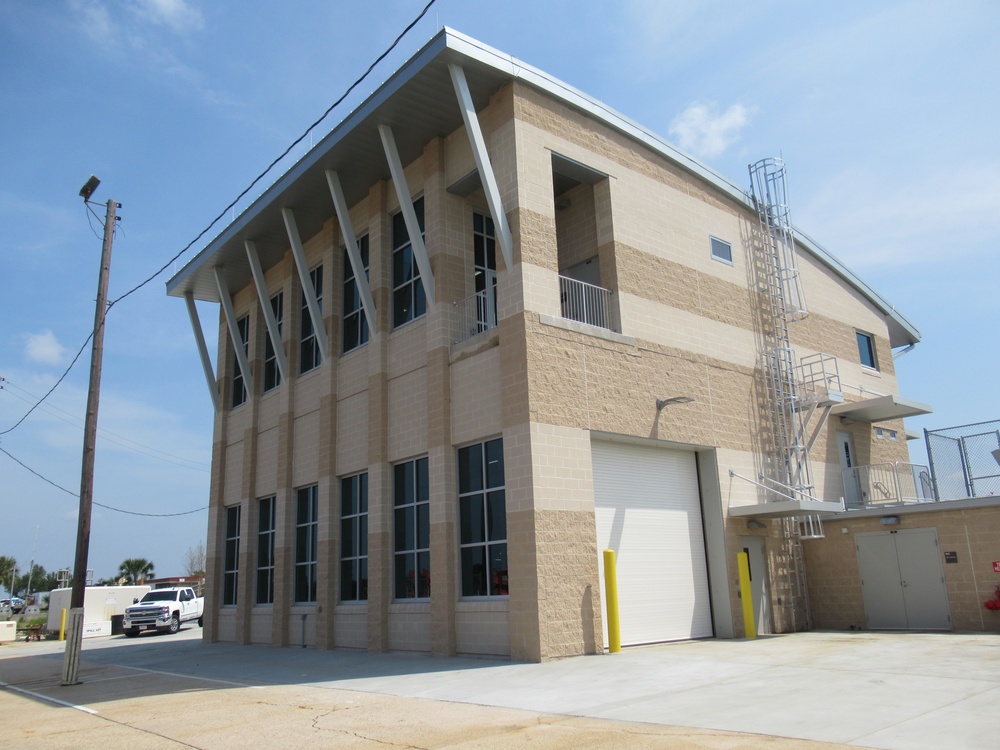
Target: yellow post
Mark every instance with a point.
(62, 625)
(611, 597)
(749, 622)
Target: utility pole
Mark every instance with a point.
(74, 635)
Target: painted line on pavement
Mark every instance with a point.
(42, 696)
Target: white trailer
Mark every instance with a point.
(100, 604)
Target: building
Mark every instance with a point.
(433, 414)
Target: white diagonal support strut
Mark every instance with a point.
(347, 229)
(482, 158)
(312, 304)
(409, 215)
(234, 331)
(265, 306)
(206, 362)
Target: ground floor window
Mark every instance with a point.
(411, 530)
(231, 566)
(354, 538)
(483, 519)
(306, 545)
(265, 550)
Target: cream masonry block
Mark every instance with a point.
(267, 462)
(352, 434)
(650, 321)
(408, 348)
(305, 457)
(352, 372)
(350, 626)
(561, 467)
(269, 410)
(517, 468)
(860, 382)
(476, 397)
(232, 492)
(832, 297)
(408, 415)
(541, 290)
(308, 390)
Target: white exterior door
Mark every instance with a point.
(902, 580)
(845, 447)
(648, 509)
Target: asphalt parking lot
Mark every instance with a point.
(805, 690)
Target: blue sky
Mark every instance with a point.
(886, 114)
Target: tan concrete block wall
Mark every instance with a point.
(476, 404)
(576, 226)
(261, 625)
(233, 483)
(267, 464)
(305, 457)
(351, 626)
(973, 533)
(409, 627)
(408, 415)
(482, 628)
(352, 428)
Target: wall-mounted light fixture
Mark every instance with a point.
(889, 520)
(661, 402)
(753, 523)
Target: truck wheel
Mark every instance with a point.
(175, 623)
(201, 622)
(131, 632)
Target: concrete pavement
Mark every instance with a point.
(859, 689)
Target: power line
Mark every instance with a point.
(100, 505)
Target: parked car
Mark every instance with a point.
(15, 603)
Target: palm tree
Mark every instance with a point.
(135, 570)
(7, 565)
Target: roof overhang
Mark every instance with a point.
(880, 409)
(418, 101)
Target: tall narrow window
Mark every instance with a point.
(866, 350)
(355, 322)
(483, 519)
(306, 547)
(412, 531)
(354, 538)
(272, 375)
(239, 386)
(309, 353)
(231, 567)
(265, 550)
(484, 248)
(408, 300)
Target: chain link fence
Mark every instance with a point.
(965, 460)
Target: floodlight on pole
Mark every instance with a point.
(74, 633)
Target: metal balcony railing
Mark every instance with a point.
(585, 303)
(473, 315)
(890, 483)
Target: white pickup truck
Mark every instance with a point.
(163, 610)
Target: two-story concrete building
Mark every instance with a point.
(487, 328)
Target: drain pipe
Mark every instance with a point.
(303, 630)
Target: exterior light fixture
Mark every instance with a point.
(89, 187)
(661, 402)
(889, 520)
(753, 523)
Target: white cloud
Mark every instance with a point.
(43, 348)
(177, 15)
(706, 132)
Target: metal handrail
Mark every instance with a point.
(585, 303)
(890, 483)
(473, 315)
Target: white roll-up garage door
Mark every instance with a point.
(649, 511)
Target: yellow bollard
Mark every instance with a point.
(62, 626)
(749, 622)
(611, 596)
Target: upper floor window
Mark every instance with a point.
(355, 322)
(482, 519)
(309, 353)
(866, 350)
(354, 538)
(722, 250)
(408, 297)
(412, 530)
(266, 526)
(484, 250)
(272, 375)
(306, 543)
(231, 564)
(239, 386)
